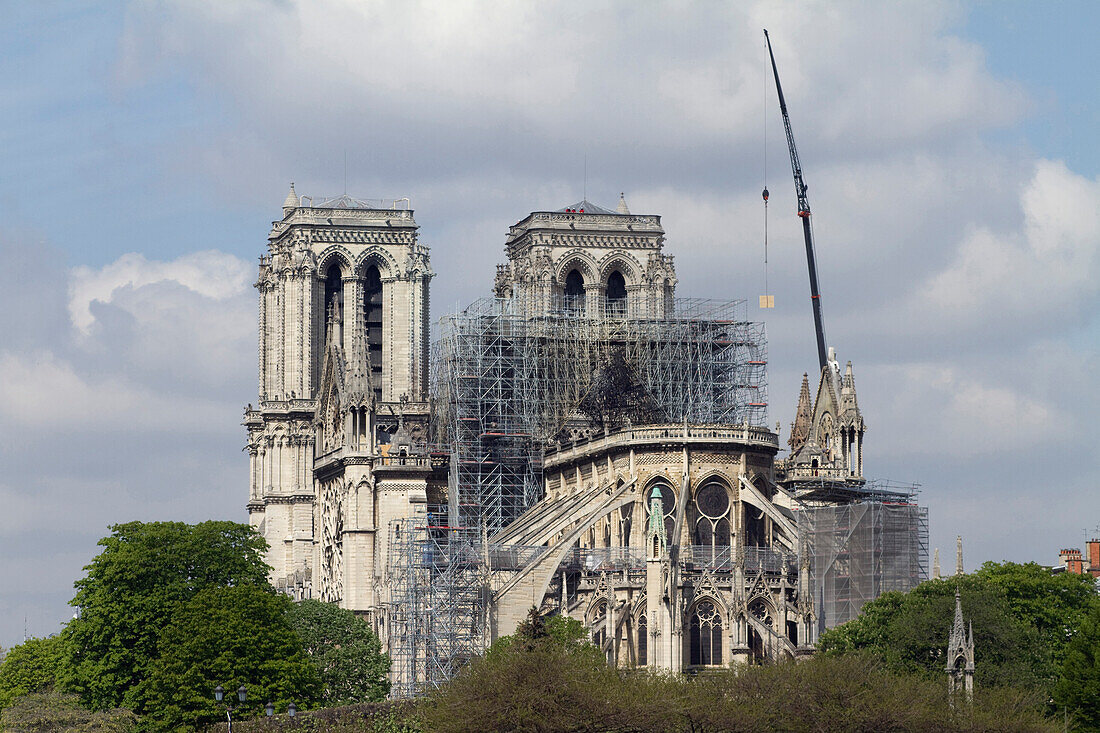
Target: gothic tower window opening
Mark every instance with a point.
(574, 291)
(334, 302)
(615, 296)
(373, 326)
(641, 644)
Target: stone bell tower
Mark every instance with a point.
(343, 361)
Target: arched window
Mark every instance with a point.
(641, 643)
(372, 322)
(625, 516)
(334, 304)
(599, 625)
(756, 528)
(616, 294)
(760, 610)
(574, 290)
(705, 629)
(712, 524)
(668, 503)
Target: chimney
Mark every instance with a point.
(1072, 560)
(1092, 555)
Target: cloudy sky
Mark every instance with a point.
(950, 152)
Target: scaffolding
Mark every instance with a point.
(437, 610)
(859, 551)
(508, 382)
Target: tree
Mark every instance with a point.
(146, 571)
(29, 667)
(561, 631)
(229, 637)
(345, 651)
(1055, 604)
(1078, 691)
(908, 631)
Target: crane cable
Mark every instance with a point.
(766, 300)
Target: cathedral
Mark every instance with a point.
(583, 441)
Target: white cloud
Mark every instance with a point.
(946, 410)
(42, 392)
(215, 275)
(1051, 266)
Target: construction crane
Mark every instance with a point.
(803, 212)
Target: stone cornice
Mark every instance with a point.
(722, 438)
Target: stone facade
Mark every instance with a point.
(594, 258)
(695, 565)
(338, 446)
(343, 381)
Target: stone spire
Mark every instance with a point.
(960, 654)
(959, 555)
(655, 537)
(359, 385)
(800, 428)
(936, 565)
(291, 202)
(848, 402)
(621, 208)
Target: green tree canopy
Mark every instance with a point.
(909, 631)
(345, 651)
(563, 632)
(1078, 691)
(1055, 604)
(145, 572)
(29, 667)
(229, 637)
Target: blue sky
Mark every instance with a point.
(950, 151)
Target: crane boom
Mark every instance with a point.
(803, 213)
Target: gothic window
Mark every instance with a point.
(761, 611)
(712, 525)
(574, 290)
(625, 519)
(616, 294)
(668, 503)
(334, 296)
(705, 635)
(756, 528)
(827, 436)
(372, 323)
(642, 642)
(599, 625)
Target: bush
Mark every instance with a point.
(47, 712)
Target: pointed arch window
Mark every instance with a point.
(574, 291)
(334, 297)
(372, 323)
(712, 523)
(641, 643)
(599, 625)
(615, 295)
(668, 504)
(705, 635)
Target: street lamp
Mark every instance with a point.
(292, 710)
(219, 696)
(269, 709)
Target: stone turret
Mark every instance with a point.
(803, 417)
(960, 654)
